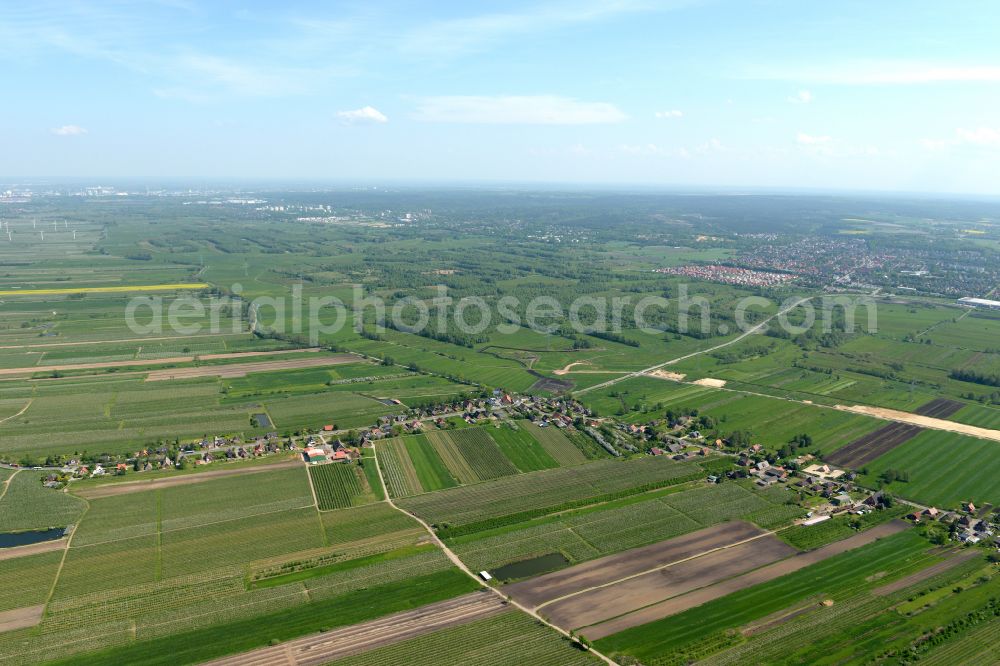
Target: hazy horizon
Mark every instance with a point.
(680, 94)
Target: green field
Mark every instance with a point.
(522, 449)
(150, 564)
(27, 580)
(27, 505)
(490, 504)
(514, 639)
(619, 525)
(555, 443)
(471, 455)
(944, 469)
(702, 630)
(770, 420)
(430, 469)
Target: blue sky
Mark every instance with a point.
(888, 95)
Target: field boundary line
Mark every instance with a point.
(464, 569)
(659, 568)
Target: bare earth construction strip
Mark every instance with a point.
(923, 421)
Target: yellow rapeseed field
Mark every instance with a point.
(104, 290)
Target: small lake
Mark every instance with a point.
(533, 567)
(12, 539)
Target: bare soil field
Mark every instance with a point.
(343, 642)
(940, 408)
(923, 421)
(33, 549)
(242, 369)
(602, 571)
(764, 574)
(21, 618)
(869, 447)
(570, 366)
(666, 374)
(924, 574)
(126, 487)
(638, 592)
(708, 381)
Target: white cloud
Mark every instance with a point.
(68, 130)
(802, 97)
(804, 139)
(366, 114)
(713, 145)
(473, 33)
(981, 136)
(673, 113)
(516, 110)
(892, 72)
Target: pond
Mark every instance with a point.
(12, 539)
(533, 567)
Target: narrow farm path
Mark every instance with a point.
(312, 486)
(750, 331)
(461, 565)
(23, 410)
(6, 484)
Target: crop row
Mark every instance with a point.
(400, 476)
(337, 486)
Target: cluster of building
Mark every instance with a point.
(970, 525)
(318, 451)
(744, 277)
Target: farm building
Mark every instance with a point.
(980, 303)
(315, 455)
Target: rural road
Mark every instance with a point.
(461, 565)
(750, 331)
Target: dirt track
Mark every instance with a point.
(242, 369)
(126, 487)
(21, 618)
(342, 642)
(546, 588)
(635, 593)
(764, 574)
